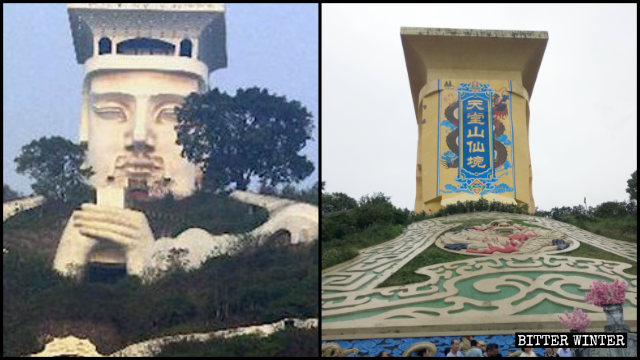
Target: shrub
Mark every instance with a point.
(481, 205)
(334, 256)
(258, 285)
(610, 209)
(376, 209)
(337, 202)
(338, 225)
(286, 343)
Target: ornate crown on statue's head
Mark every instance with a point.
(185, 37)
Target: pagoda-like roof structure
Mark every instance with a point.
(202, 22)
(431, 50)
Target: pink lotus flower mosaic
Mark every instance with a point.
(577, 320)
(604, 293)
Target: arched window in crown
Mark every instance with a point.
(185, 47)
(145, 46)
(104, 46)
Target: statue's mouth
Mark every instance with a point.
(140, 167)
(141, 175)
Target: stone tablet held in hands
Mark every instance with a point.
(110, 196)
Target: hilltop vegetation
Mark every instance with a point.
(615, 220)
(38, 230)
(9, 194)
(287, 343)
(217, 214)
(260, 285)
(435, 255)
(349, 225)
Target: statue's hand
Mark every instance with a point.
(127, 228)
(73, 250)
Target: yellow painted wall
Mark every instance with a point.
(437, 174)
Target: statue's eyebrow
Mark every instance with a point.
(113, 96)
(168, 97)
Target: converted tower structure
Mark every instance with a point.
(471, 91)
(140, 61)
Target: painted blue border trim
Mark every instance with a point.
(460, 132)
(490, 133)
(513, 143)
(438, 152)
(371, 347)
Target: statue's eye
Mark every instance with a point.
(110, 112)
(167, 114)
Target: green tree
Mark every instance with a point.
(55, 164)
(632, 186)
(9, 194)
(377, 208)
(251, 134)
(333, 202)
(610, 209)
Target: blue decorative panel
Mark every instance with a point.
(396, 346)
(476, 140)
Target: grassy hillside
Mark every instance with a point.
(623, 227)
(259, 285)
(339, 251)
(435, 255)
(349, 225)
(288, 343)
(38, 230)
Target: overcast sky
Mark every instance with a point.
(583, 119)
(270, 46)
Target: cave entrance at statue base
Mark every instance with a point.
(105, 272)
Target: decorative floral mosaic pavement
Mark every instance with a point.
(480, 295)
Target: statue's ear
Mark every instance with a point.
(84, 123)
(83, 133)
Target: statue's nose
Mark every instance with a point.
(141, 147)
(140, 130)
(141, 136)
(140, 143)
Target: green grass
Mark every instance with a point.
(588, 251)
(261, 284)
(287, 343)
(432, 255)
(337, 255)
(38, 230)
(217, 214)
(340, 250)
(622, 228)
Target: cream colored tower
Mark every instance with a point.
(140, 61)
(471, 92)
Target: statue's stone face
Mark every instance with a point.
(131, 135)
